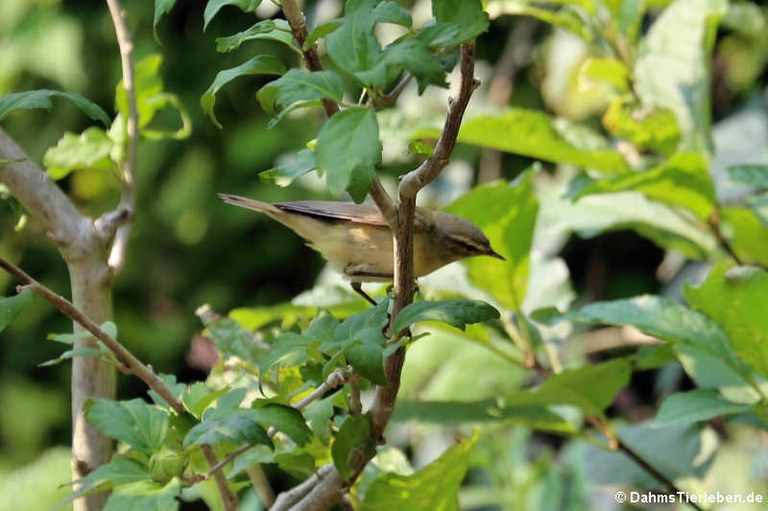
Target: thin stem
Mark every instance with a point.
(645, 465)
(714, 225)
(132, 364)
(128, 165)
(227, 497)
(417, 179)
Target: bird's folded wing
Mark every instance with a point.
(366, 213)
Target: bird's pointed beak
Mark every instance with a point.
(493, 253)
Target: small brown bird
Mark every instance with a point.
(357, 240)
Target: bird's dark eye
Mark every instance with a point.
(466, 245)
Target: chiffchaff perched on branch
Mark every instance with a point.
(357, 240)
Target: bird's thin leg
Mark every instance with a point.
(358, 288)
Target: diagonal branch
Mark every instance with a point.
(131, 364)
(39, 195)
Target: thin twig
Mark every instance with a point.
(133, 365)
(227, 497)
(261, 484)
(391, 97)
(645, 465)
(129, 164)
(417, 179)
(714, 225)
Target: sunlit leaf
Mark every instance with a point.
(735, 299)
(89, 150)
(680, 79)
(682, 181)
(537, 135)
(435, 486)
(507, 215)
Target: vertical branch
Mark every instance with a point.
(410, 184)
(130, 161)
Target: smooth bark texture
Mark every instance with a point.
(83, 248)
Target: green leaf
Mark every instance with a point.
(735, 299)
(611, 71)
(70, 354)
(70, 338)
(577, 386)
(286, 419)
(214, 6)
(630, 211)
(750, 175)
(748, 233)
(261, 64)
(568, 19)
(507, 215)
(695, 406)
(197, 397)
(699, 343)
(352, 444)
(392, 12)
(413, 55)
(150, 100)
(42, 99)
(435, 486)
(271, 30)
(121, 470)
(89, 150)
(12, 306)
(361, 340)
(320, 31)
(145, 495)
(248, 425)
(456, 413)
(137, 423)
(653, 129)
(354, 48)
(467, 14)
(287, 172)
(682, 181)
(457, 313)
(162, 7)
(300, 86)
(348, 150)
(538, 135)
(240, 426)
(680, 79)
